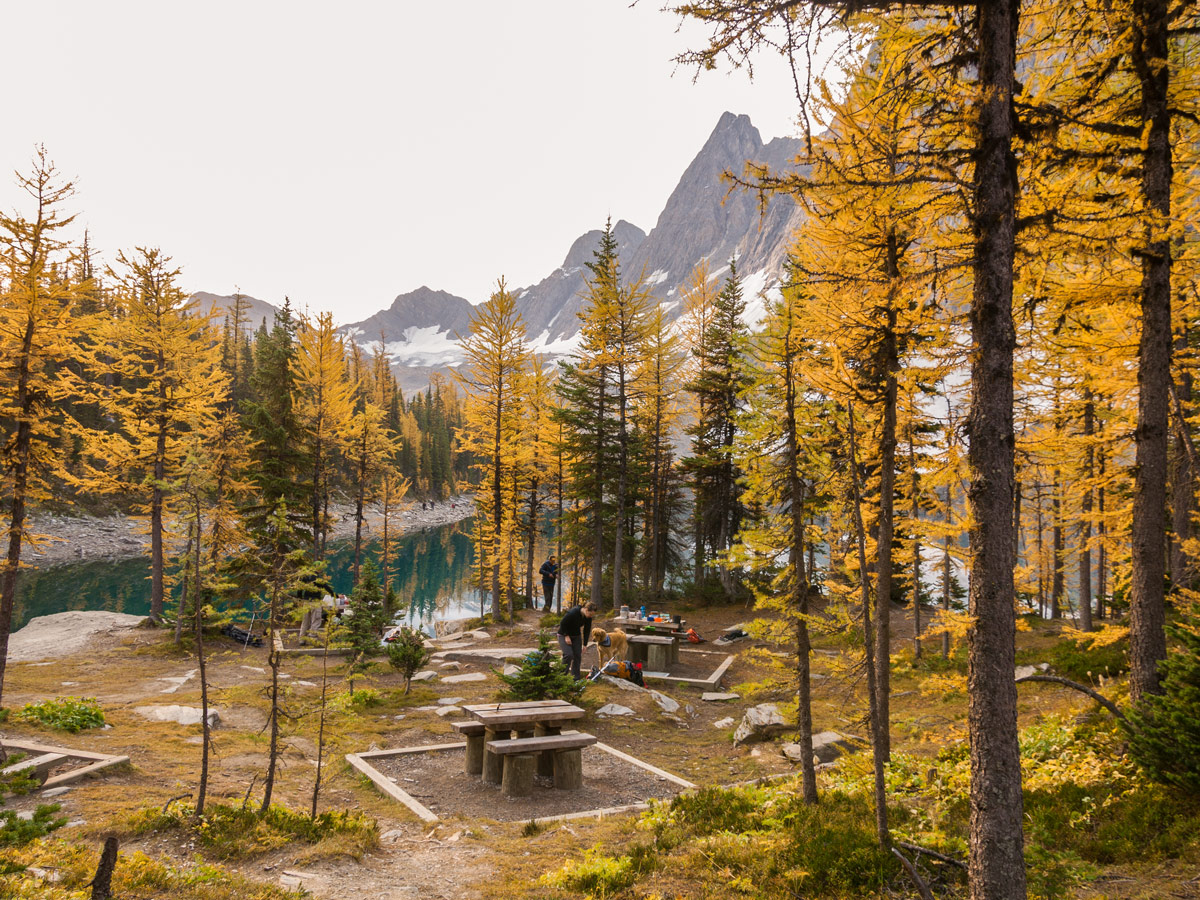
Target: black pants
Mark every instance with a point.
(548, 590)
(572, 652)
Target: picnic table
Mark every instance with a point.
(630, 625)
(499, 758)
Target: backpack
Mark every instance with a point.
(694, 638)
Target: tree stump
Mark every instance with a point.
(518, 775)
(568, 770)
(102, 884)
(475, 754)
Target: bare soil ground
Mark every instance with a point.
(438, 780)
(482, 850)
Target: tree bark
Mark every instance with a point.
(1085, 514)
(1147, 637)
(997, 864)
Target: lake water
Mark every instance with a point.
(430, 572)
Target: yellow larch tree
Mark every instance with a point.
(167, 382)
(36, 328)
(497, 365)
(324, 405)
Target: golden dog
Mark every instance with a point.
(610, 645)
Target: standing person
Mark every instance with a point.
(549, 573)
(573, 633)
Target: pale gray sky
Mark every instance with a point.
(345, 153)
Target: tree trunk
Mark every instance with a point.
(1085, 515)
(996, 860)
(1183, 483)
(916, 541)
(21, 451)
(1147, 638)
(890, 363)
(202, 665)
(876, 720)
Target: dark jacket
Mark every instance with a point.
(575, 624)
(549, 572)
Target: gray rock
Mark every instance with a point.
(56, 792)
(450, 701)
(1026, 671)
(827, 747)
(665, 703)
(614, 709)
(426, 675)
(184, 715)
(449, 711)
(621, 683)
(725, 723)
(760, 723)
(460, 679)
(714, 697)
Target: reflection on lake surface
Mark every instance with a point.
(430, 573)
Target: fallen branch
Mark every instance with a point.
(1082, 688)
(932, 854)
(914, 875)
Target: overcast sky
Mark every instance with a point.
(344, 153)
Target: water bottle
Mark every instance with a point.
(642, 614)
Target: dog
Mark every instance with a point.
(610, 645)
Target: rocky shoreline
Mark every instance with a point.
(55, 539)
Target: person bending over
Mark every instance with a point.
(573, 633)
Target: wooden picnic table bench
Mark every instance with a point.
(656, 652)
(519, 755)
(533, 718)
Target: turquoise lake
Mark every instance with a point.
(431, 572)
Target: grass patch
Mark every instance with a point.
(73, 714)
(137, 877)
(228, 832)
(1085, 664)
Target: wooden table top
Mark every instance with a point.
(643, 624)
(497, 715)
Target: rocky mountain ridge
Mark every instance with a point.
(703, 220)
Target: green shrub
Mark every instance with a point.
(1085, 664)
(1165, 728)
(15, 831)
(541, 677)
(406, 653)
(229, 832)
(72, 714)
(357, 701)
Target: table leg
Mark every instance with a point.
(545, 764)
(493, 763)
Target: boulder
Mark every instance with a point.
(450, 701)
(727, 722)
(827, 747)
(714, 697)
(183, 715)
(469, 676)
(426, 675)
(665, 703)
(621, 683)
(614, 709)
(449, 711)
(760, 723)
(1026, 671)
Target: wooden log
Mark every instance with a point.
(493, 764)
(545, 764)
(475, 754)
(518, 775)
(568, 770)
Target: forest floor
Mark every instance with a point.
(61, 538)
(470, 853)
